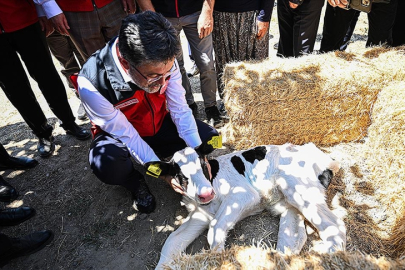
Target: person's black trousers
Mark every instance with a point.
(110, 160)
(4, 156)
(298, 27)
(30, 44)
(5, 243)
(337, 21)
(350, 31)
(398, 31)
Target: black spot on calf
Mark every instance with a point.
(214, 164)
(238, 164)
(325, 178)
(258, 153)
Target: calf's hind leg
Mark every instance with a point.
(291, 234)
(310, 201)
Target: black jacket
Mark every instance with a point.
(177, 8)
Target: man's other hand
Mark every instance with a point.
(205, 24)
(60, 23)
(129, 6)
(262, 28)
(46, 26)
(173, 183)
(338, 3)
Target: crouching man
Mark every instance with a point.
(132, 92)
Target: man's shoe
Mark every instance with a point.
(79, 132)
(194, 108)
(15, 216)
(214, 117)
(18, 163)
(223, 112)
(26, 245)
(46, 146)
(193, 71)
(81, 113)
(143, 200)
(7, 192)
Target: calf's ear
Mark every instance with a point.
(158, 168)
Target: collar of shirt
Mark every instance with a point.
(125, 76)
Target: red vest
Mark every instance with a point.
(82, 5)
(144, 111)
(16, 15)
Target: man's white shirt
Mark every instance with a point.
(110, 119)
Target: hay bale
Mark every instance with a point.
(388, 61)
(384, 155)
(385, 146)
(325, 99)
(252, 258)
(396, 242)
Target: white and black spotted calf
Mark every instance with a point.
(287, 180)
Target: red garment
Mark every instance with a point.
(81, 5)
(16, 15)
(144, 111)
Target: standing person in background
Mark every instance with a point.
(398, 31)
(89, 23)
(21, 33)
(240, 33)
(337, 21)
(195, 19)
(72, 61)
(298, 22)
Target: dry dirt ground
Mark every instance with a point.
(95, 225)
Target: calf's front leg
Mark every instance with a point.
(178, 240)
(234, 208)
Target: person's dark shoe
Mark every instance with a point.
(18, 163)
(78, 132)
(26, 245)
(223, 112)
(46, 146)
(214, 117)
(15, 216)
(194, 108)
(144, 200)
(193, 71)
(81, 113)
(7, 192)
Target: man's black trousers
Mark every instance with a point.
(31, 45)
(337, 21)
(298, 27)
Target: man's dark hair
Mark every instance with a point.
(147, 37)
